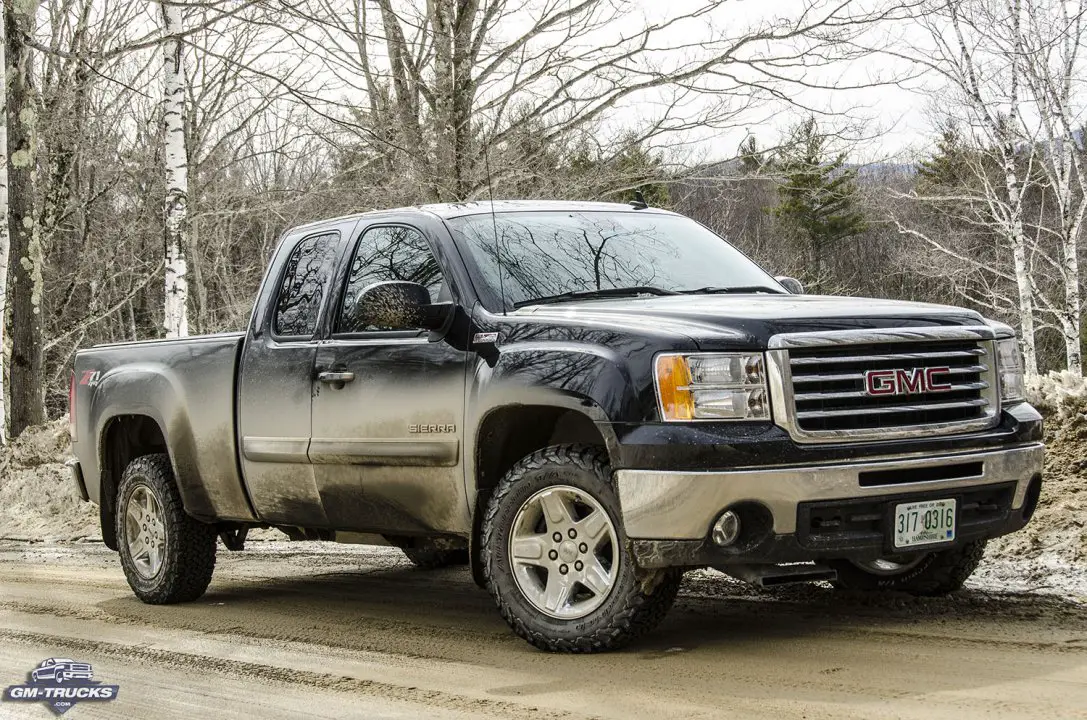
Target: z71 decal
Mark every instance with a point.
(90, 377)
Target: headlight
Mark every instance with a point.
(712, 386)
(1009, 364)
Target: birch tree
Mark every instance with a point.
(1009, 70)
(1050, 48)
(175, 206)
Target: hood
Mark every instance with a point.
(749, 320)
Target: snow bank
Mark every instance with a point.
(38, 500)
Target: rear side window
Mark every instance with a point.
(305, 283)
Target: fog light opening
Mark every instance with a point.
(726, 530)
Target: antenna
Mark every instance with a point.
(494, 225)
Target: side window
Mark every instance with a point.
(388, 253)
(305, 282)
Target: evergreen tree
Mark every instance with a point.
(752, 159)
(948, 167)
(818, 195)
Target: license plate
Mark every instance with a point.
(924, 523)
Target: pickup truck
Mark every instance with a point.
(580, 401)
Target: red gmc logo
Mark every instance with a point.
(906, 382)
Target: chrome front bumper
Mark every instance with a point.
(661, 505)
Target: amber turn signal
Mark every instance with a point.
(674, 387)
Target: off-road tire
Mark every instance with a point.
(939, 573)
(426, 558)
(189, 553)
(637, 602)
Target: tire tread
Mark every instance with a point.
(638, 613)
(191, 544)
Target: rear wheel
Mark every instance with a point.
(167, 556)
(929, 574)
(555, 556)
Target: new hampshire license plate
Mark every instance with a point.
(924, 523)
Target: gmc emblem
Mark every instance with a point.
(906, 382)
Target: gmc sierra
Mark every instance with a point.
(580, 401)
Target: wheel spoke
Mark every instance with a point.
(596, 578)
(529, 548)
(594, 527)
(557, 592)
(137, 547)
(555, 508)
(154, 555)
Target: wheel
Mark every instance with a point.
(168, 557)
(929, 574)
(555, 556)
(431, 558)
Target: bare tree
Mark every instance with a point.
(1007, 68)
(175, 206)
(26, 276)
(447, 81)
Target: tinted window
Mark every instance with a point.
(549, 253)
(305, 282)
(382, 254)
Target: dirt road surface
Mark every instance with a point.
(306, 630)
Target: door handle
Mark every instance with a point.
(338, 376)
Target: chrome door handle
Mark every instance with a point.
(336, 377)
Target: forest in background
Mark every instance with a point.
(156, 150)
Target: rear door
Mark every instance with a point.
(387, 443)
(275, 379)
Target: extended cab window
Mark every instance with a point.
(305, 282)
(394, 252)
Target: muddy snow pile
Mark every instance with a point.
(38, 500)
(1058, 532)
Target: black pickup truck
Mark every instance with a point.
(580, 401)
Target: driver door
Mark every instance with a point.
(387, 433)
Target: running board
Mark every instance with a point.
(773, 575)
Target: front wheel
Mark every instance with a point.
(928, 574)
(168, 557)
(555, 556)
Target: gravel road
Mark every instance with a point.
(305, 630)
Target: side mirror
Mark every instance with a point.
(794, 286)
(397, 305)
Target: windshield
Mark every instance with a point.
(546, 254)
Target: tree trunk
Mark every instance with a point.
(5, 237)
(27, 407)
(175, 207)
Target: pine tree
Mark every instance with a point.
(818, 196)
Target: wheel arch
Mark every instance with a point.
(508, 433)
(124, 438)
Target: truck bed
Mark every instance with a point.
(187, 386)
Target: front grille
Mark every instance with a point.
(830, 399)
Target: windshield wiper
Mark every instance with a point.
(714, 290)
(590, 294)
